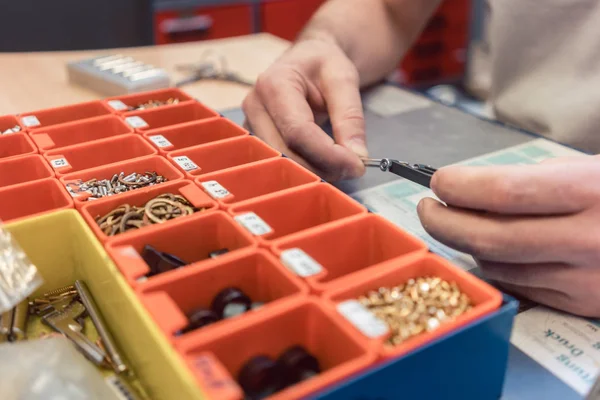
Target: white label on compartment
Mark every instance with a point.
(118, 105)
(160, 141)
(215, 189)
(30, 120)
(363, 319)
(300, 262)
(185, 163)
(254, 224)
(129, 251)
(59, 163)
(136, 122)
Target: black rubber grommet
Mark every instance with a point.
(231, 302)
(298, 365)
(260, 377)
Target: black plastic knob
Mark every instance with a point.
(199, 318)
(231, 302)
(298, 365)
(260, 377)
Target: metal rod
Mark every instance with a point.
(371, 162)
(94, 314)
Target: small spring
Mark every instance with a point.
(59, 291)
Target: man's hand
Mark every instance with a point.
(312, 78)
(533, 229)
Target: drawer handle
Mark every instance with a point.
(200, 24)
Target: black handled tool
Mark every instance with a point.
(418, 173)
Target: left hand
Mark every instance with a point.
(533, 229)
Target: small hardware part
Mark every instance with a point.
(231, 302)
(218, 253)
(261, 377)
(14, 129)
(418, 173)
(19, 322)
(228, 303)
(57, 303)
(157, 210)
(154, 104)
(199, 318)
(298, 365)
(420, 305)
(94, 189)
(107, 341)
(65, 290)
(64, 322)
(210, 70)
(66, 310)
(6, 325)
(159, 261)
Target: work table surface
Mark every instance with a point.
(32, 81)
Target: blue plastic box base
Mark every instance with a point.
(467, 364)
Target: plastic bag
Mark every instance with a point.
(19, 278)
(51, 368)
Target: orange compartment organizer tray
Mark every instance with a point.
(24, 169)
(190, 290)
(192, 134)
(77, 132)
(280, 214)
(217, 357)
(138, 165)
(478, 343)
(59, 115)
(159, 117)
(80, 157)
(191, 239)
(16, 145)
(203, 159)
(485, 298)
(363, 244)
(32, 199)
(139, 198)
(247, 182)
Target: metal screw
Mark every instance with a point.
(119, 183)
(14, 129)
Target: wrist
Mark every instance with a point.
(318, 35)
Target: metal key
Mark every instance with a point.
(107, 340)
(64, 322)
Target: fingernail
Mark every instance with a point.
(420, 206)
(358, 147)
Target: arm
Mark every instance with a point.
(374, 34)
(346, 45)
